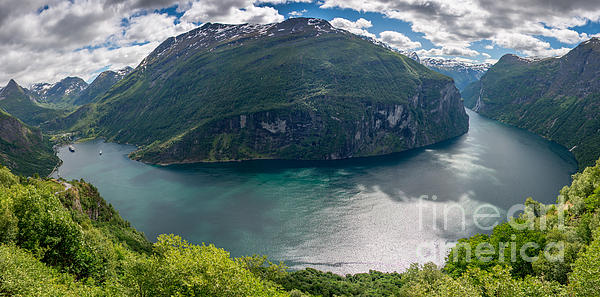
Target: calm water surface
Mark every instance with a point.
(343, 216)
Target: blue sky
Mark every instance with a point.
(46, 40)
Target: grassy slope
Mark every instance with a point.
(97, 88)
(240, 80)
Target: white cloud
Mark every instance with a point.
(392, 38)
(154, 27)
(358, 27)
(231, 12)
(398, 40)
(46, 40)
(456, 24)
(448, 51)
(528, 45)
(297, 13)
(283, 1)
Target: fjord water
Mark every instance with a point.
(345, 216)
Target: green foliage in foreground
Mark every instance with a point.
(57, 242)
(68, 242)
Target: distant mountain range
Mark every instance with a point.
(299, 89)
(558, 98)
(62, 92)
(410, 54)
(463, 73)
(23, 148)
(74, 91)
(45, 101)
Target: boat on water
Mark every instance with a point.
(71, 148)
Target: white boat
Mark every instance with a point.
(71, 148)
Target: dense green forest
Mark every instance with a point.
(63, 239)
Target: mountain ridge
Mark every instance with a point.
(463, 73)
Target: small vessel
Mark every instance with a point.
(71, 148)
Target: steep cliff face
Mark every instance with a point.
(558, 98)
(299, 89)
(320, 133)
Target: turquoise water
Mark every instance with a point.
(343, 216)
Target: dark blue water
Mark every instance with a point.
(344, 216)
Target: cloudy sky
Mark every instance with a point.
(46, 40)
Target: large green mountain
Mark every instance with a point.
(24, 149)
(558, 98)
(14, 100)
(299, 89)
